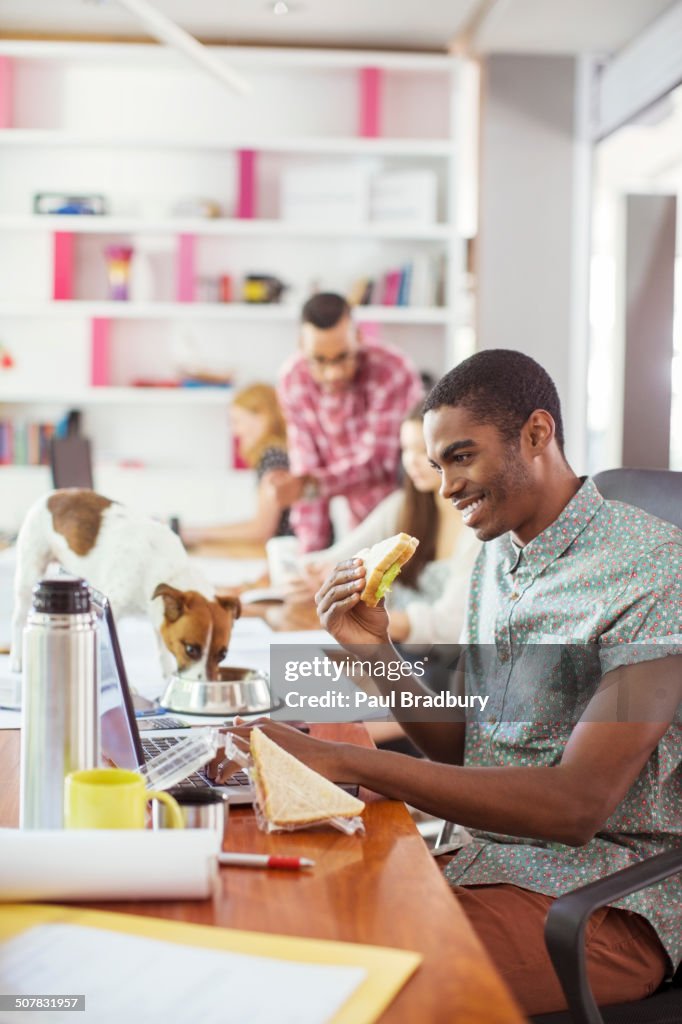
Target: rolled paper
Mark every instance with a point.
(107, 864)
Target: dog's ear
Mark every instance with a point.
(230, 604)
(173, 601)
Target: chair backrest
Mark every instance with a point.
(71, 462)
(658, 491)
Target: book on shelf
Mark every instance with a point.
(404, 285)
(416, 283)
(25, 444)
(391, 288)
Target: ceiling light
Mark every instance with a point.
(280, 7)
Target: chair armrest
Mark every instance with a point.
(568, 916)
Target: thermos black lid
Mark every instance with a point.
(61, 597)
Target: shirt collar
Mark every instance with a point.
(559, 535)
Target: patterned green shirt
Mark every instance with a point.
(606, 579)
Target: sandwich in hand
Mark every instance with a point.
(383, 562)
(290, 793)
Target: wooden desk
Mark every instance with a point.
(383, 889)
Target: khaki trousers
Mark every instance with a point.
(625, 959)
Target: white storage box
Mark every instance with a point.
(404, 196)
(331, 194)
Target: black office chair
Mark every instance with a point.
(565, 939)
(71, 462)
(659, 492)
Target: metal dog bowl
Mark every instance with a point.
(239, 691)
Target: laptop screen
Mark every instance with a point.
(119, 735)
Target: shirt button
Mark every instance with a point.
(503, 655)
(514, 595)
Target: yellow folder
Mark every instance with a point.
(387, 969)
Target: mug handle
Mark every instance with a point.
(174, 812)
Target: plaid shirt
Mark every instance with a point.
(350, 441)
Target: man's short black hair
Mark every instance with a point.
(501, 387)
(325, 310)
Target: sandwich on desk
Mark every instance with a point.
(291, 795)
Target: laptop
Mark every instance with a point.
(120, 738)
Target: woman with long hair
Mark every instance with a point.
(258, 425)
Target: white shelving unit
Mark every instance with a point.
(260, 228)
(146, 129)
(333, 146)
(235, 311)
(148, 397)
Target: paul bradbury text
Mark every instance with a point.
(362, 701)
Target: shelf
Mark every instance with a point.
(255, 228)
(127, 54)
(122, 396)
(233, 311)
(285, 144)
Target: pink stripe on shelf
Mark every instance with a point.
(246, 193)
(62, 278)
(99, 352)
(6, 92)
(186, 268)
(370, 103)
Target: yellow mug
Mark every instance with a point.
(112, 798)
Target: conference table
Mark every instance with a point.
(382, 889)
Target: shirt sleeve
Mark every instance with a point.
(441, 621)
(311, 523)
(374, 459)
(382, 522)
(647, 615)
(304, 456)
(272, 458)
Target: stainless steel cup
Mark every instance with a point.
(201, 808)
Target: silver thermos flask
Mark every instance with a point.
(60, 705)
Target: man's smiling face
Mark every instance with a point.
(486, 476)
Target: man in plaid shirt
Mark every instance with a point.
(343, 401)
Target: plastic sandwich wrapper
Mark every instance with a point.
(293, 786)
(107, 864)
(186, 756)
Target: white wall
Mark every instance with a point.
(534, 222)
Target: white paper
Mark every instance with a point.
(116, 864)
(131, 978)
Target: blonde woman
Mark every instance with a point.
(257, 422)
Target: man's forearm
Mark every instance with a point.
(537, 803)
(441, 741)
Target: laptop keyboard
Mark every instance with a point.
(197, 780)
(160, 722)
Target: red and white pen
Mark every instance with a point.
(258, 860)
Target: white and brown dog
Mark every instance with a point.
(140, 565)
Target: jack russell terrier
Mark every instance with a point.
(140, 565)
